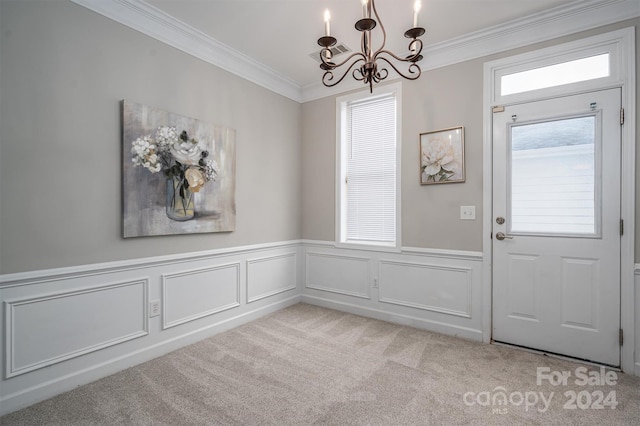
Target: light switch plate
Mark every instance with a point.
(467, 212)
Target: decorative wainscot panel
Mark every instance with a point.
(197, 293)
(178, 174)
(39, 332)
(271, 275)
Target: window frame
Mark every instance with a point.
(553, 56)
(395, 90)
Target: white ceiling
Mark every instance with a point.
(282, 33)
(269, 42)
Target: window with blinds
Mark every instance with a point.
(369, 170)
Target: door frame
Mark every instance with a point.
(621, 46)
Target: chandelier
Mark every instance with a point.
(371, 70)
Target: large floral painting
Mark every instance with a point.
(442, 156)
(178, 174)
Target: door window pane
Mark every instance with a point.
(553, 177)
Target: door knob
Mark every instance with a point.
(501, 236)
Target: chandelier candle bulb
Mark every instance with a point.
(364, 8)
(327, 24)
(416, 10)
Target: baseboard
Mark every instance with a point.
(42, 391)
(396, 318)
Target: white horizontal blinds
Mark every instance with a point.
(371, 170)
(553, 177)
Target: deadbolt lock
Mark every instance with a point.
(500, 220)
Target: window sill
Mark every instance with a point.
(370, 246)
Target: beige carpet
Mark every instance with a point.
(310, 365)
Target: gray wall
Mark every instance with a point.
(441, 98)
(64, 71)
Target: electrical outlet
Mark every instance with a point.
(154, 308)
(467, 212)
(375, 283)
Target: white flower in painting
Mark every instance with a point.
(145, 153)
(210, 170)
(186, 152)
(165, 137)
(439, 158)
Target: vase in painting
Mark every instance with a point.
(180, 204)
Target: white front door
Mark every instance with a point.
(556, 226)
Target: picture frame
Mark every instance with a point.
(178, 173)
(442, 156)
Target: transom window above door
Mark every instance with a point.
(548, 73)
(568, 72)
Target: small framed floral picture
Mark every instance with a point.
(442, 156)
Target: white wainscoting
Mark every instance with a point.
(197, 293)
(31, 321)
(438, 290)
(271, 275)
(86, 322)
(342, 274)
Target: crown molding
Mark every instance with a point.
(149, 20)
(560, 21)
(557, 22)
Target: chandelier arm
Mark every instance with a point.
(334, 66)
(329, 73)
(384, 32)
(413, 69)
(393, 55)
(380, 75)
(417, 50)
